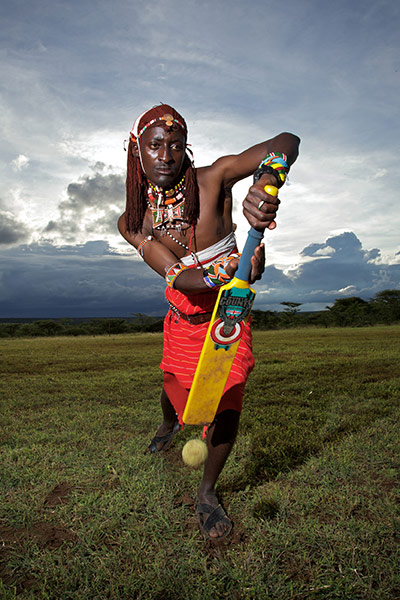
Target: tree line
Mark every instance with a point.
(100, 326)
(382, 309)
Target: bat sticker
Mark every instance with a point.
(234, 307)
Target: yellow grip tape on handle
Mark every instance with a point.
(271, 190)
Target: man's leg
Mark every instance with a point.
(167, 427)
(220, 439)
(169, 414)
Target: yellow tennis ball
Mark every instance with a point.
(194, 453)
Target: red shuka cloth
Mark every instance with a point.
(178, 395)
(183, 343)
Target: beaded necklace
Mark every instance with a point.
(188, 248)
(167, 209)
(171, 196)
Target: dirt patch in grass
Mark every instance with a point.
(217, 549)
(45, 535)
(174, 456)
(186, 499)
(112, 483)
(59, 495)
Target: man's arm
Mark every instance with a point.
(235, 167)
(228, 170)
(159, 258)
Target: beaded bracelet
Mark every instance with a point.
(171, 273)
(266, 169)
(207, 280)
(274, 163)
(215, 274)
(142, 244)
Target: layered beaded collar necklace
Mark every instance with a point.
(167, 207)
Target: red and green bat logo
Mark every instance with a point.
(234, 306)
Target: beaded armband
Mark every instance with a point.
(142, 244)
(276, 164)
(216, 275)
(171, 273)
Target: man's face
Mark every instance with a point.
(163, 153)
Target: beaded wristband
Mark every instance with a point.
(171, 273)
(274, 163)
(216, 274)
(142, 244)
(207, 280)
(266, 169)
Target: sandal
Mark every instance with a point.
(165, 440)
(215, 515)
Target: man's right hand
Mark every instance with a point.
(259, 207)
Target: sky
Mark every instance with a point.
(74, 75)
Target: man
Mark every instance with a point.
(180, 220)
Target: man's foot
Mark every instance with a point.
(213, 520)
(163, 439)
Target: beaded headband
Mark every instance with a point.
(167, 118)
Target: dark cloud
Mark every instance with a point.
(12, 231)
(96, 190)
(337, 268)
(90, 280)
(345, 247)
(94, 280)
(90, 206)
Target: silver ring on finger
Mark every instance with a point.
(260, 204)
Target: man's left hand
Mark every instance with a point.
(257, 264)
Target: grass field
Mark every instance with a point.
(312, 484)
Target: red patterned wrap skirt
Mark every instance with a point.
(183, 343)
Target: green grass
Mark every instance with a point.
(311, 485)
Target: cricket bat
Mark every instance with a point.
(230, 315)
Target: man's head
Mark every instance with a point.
(157, 154)
(159, 141)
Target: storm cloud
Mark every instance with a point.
(95, 280)
(92, 206)
(90, 280)
(336, 268)
(12, 231)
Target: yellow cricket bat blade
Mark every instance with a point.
(218, 352)
(231, 312)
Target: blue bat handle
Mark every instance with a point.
(254, 238)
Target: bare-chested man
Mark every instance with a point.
(180, 220)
